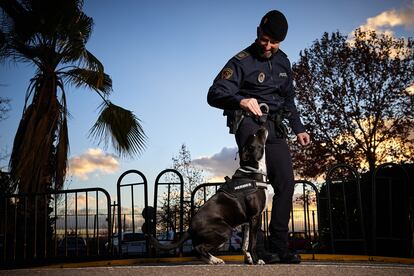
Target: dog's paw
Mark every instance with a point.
(260, 262)
(248, 258)
(215, 261)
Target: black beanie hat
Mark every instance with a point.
(274, 24)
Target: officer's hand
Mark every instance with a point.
(303, 138)
(251, 105)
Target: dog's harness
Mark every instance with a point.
(246, 180)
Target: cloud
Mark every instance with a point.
(385, 21)
(220, 164)
(94, 160)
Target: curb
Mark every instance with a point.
(233, 258)
(355, 258)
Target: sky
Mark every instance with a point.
(162, 57)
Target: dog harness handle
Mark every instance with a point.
(265, 111)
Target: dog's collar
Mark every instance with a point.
(250, 170)
(262, 185)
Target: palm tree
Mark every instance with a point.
(51, 35)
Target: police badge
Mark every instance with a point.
(261, 77)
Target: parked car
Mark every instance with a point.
(165, 238)
(236, 241)
(72, 245)
(131, 243)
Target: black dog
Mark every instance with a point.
(240, 200)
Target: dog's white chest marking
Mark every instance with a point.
(262, 164)
(263, 170)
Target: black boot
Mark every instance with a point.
(268, 257)
(288, 257)
(262, 253)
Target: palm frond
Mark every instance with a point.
(92, 79)
(20, 21)
(91, 62)
(84, 26)
(72, 46)
(123, 127)
(70, 50)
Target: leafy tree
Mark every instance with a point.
(52, 36)
(192, 177)
(354, 99)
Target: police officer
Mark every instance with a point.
(261, 74)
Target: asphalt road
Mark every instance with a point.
(232, 269)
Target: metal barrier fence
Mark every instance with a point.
(304, 222)
(171, 230)
(78, 223)
(36, 228)
(121, 229)
(346, 223)
(391, 230)
(171, 223)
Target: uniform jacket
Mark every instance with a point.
(247, 75)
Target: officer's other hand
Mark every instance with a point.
(303, 138)
(251, 105)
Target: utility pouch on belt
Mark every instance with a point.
(280, 127)
(234, 118)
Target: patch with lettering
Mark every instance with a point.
(261, 77)
(226, 73)
(242, 186)
(283, 75)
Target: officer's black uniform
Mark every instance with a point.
(247, 75)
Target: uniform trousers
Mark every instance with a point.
(280, 175)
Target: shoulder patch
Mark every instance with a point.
(226, 73)
(242, 55)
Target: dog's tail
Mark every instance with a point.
(169, 246)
